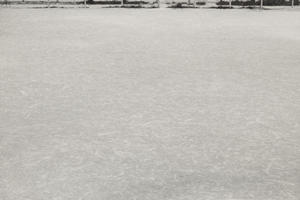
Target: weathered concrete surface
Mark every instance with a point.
(117, 104)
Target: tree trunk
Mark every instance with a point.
(261, 4)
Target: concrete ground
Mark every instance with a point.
(149, 104)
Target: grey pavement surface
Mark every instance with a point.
(141, 104)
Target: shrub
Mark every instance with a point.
(185, 5)
(200, 3)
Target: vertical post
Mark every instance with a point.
(261, 4)
(85, 3)
(293, 2)
(48, 3)
(195, 3)
(122, 2)
(230, 4)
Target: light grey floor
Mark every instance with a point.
(115, 104)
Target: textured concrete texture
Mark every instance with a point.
(116, 104)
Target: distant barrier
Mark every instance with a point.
(258, 3)
(155, 3)
(40, 2)
(75, 2)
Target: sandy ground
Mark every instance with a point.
(139, 104)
